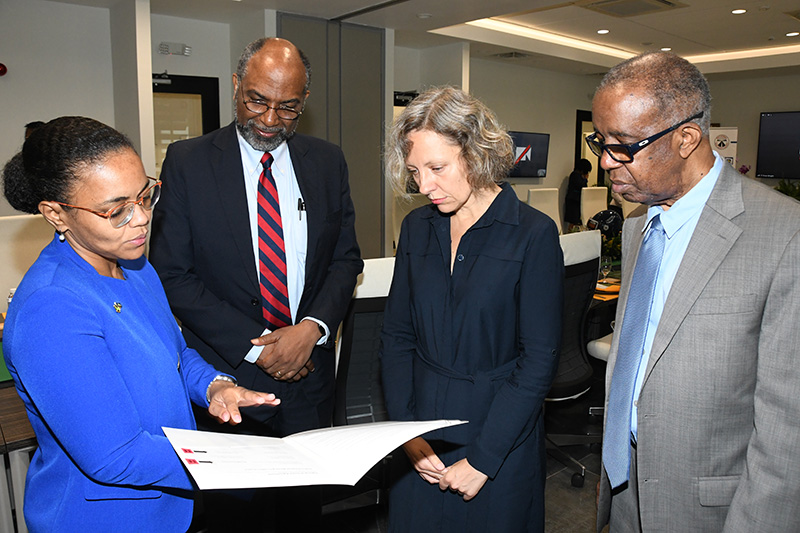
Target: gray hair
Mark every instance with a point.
(678, 89)
(486, 148)
(251, 49)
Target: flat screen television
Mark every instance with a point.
(530, 154)
(779, 146)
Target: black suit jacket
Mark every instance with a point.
(202, 249)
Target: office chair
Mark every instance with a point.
(575, 374)
(546, 201)
(599, 349)
(593, 200)
(359, 392)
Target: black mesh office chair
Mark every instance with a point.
(359, 392)
(574, 375)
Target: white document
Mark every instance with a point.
(329, 456)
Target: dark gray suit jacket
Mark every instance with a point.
(202, 248)
(718, 431)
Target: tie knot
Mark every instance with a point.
(655, 224)
(266, 160)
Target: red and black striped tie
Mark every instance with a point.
(271, 251)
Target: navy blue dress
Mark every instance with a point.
(478, 345)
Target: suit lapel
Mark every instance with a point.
(713, 238)
(228, 178)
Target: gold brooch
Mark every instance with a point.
(117, 307)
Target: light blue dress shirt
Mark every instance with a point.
(679, 223)
(293, 219)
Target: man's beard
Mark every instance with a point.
(259, 143)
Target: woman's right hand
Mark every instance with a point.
(227, 398)
(424, 460)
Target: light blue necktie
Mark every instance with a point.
(617, 435)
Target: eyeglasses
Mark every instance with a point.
(259, 107)
(123, 213)
(623, 153)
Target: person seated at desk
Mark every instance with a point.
(578, 179)
(92, 346)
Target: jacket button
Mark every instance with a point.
(254, 302)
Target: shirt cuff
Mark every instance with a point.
(327, 334)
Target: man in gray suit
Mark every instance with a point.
(703, 383)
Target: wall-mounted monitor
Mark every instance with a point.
(779, 146)
(530, 154)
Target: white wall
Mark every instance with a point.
(211, 54)
(59, 63)
(406, 69)
(740, 102)
(445, 65)
(535, 100)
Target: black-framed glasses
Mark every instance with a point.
(623, 153)
(120, 215)
(259, 107)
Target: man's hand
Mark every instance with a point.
(287, 351)
(226, 398)
(424, 460)
(463, 479)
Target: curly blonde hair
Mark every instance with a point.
(486, 148)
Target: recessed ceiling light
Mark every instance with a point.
(602, 32)
(666, 49)
(793, 34)
(739, 11)
(424, 15)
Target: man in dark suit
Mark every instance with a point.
(702, 384)
(208, 252)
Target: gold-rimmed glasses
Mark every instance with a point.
(259, 107)
(121, 214)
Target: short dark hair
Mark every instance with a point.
(47, 166)
(251, 49)
(584, 166)
(678, 89)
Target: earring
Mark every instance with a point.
(61, 237)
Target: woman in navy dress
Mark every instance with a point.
(94, 351)
(472, 324)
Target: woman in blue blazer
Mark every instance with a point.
(94, 351)
(472, 324)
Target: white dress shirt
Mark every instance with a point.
(293, 220)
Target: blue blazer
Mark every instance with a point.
(101, 366)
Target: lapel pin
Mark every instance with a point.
(117, 307)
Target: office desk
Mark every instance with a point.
(18, 442)
(601, 313)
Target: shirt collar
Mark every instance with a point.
(251, 158)
(502, 209)
(688, 205)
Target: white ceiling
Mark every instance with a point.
(700, 28)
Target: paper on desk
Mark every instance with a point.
(605, 297)
(607, 287)
(329, 456)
